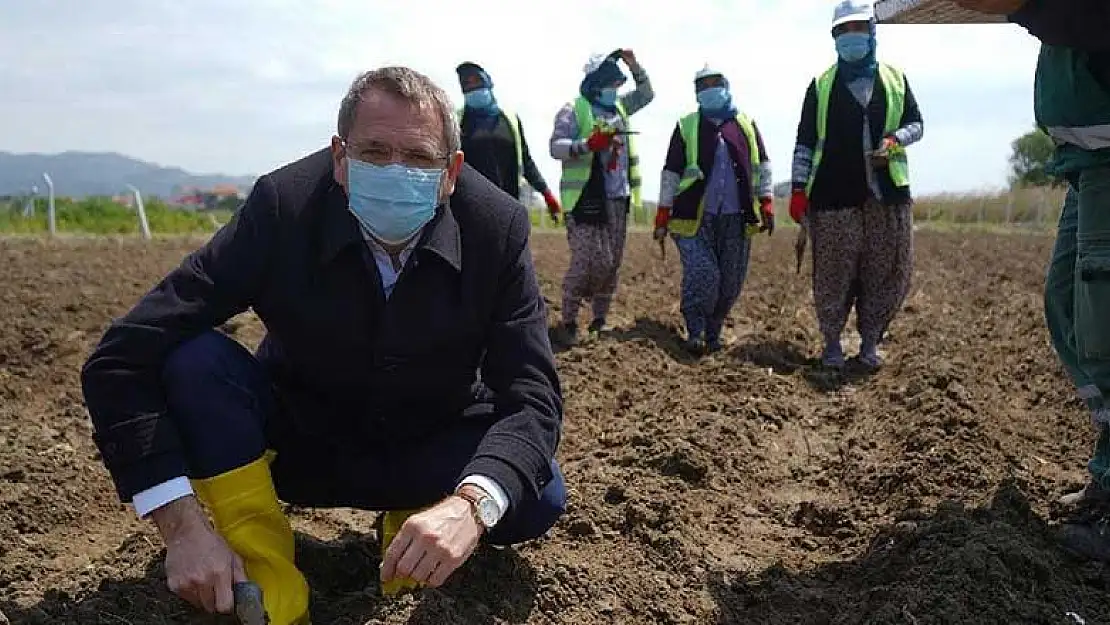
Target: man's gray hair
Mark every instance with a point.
(410, 85)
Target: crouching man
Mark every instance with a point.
(406, 368)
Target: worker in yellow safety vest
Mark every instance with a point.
(851, 186)
(600, 184)
(493, 139)
(716, 192)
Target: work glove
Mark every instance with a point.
(662, 218)
(553, 207)
(799, 204)
(599, 140)
(767, 209)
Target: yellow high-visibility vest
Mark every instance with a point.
(894, 84)
(688, 128)
(576, 171)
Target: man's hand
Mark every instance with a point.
(629, 58)
(433, 544)
(200, 567)
(993, 7)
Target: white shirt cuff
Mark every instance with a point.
(157, 496)
(493, 488)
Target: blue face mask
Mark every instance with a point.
(393, 202)
(479, 98)
(714, 99)
(853, 47)
(608, 96)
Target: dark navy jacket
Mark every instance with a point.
(463, 335)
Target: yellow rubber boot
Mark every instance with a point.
(392, 522)
(246, 512)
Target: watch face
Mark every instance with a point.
(487, 512)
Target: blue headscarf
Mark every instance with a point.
(727, 111)
(604, 76)
(863, 68)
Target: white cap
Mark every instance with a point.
(595, 62)
(853, 11)
(705, 72)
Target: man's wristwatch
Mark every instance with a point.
(482, 506)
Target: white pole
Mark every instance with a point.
(143, 225)
(50, 220)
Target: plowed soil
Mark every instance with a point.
(747, 487)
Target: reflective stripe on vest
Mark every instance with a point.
(894, 84)
(688, 128)
(514, 128)
(1085, 137)
(576, 171)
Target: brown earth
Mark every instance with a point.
(744, 488)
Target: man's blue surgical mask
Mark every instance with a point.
(853, 47)
(714, 99)
(479, 98)
(608, 96)
(393, 202)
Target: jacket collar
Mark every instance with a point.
(340, 229)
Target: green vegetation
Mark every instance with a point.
(1026, 207)
(1022, 207)
(1032, 153)
(102, 216)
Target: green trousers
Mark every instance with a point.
(1077, 302)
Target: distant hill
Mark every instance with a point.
(80, 174)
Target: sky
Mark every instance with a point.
(244, 86)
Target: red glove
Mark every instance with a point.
(662, 216)
(767, 207)
(552, 204)
(599, 140)
(799, 203)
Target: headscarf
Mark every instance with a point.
(721, 113)
(465, 70)
(863, 68)
(601, 72)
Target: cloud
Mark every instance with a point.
(242, 87)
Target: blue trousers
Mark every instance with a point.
(228, 413)
(714, 267)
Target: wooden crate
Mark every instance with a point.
(930, 12)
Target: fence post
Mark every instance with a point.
(143, 225)
(50, 220)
